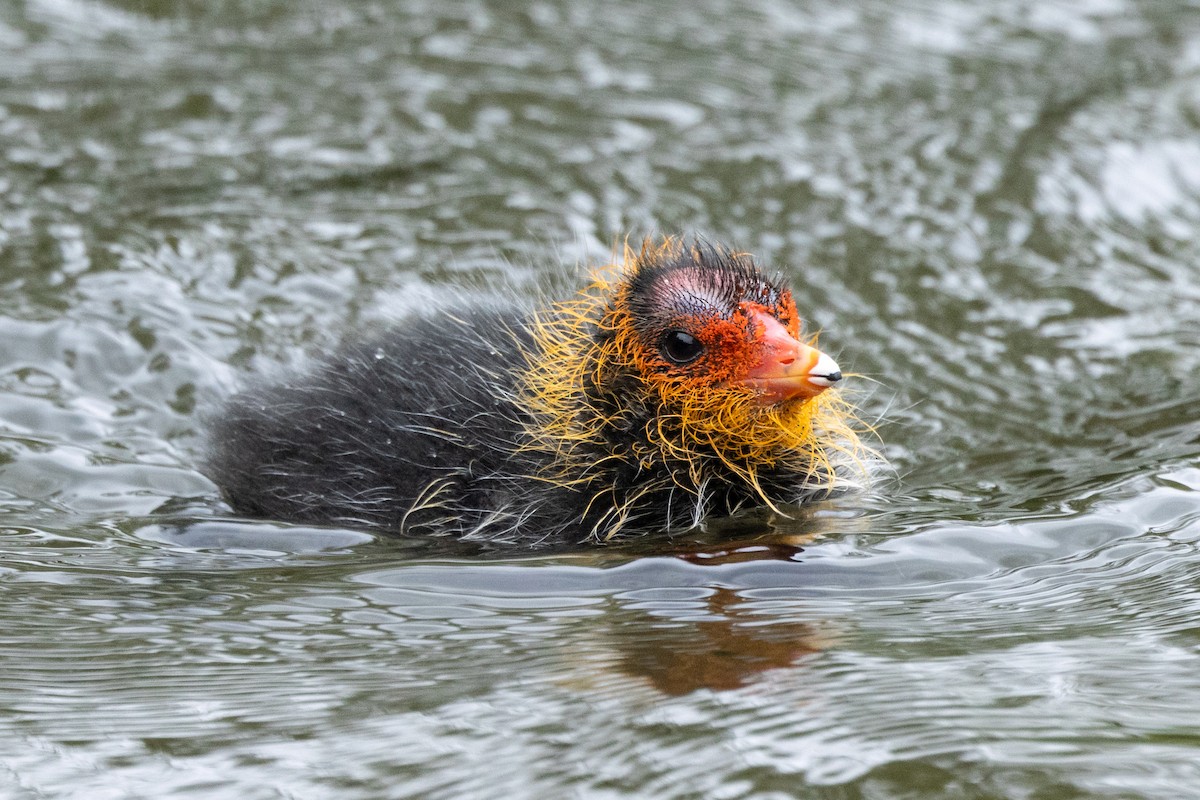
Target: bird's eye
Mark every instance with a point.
(680, 347)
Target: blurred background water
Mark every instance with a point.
(990, 209)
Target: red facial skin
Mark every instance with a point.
(786, 366)
(759, 348)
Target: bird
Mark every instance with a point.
(676, 386)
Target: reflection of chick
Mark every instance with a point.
(678, 389)
(727, 649)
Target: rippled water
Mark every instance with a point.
(992, 211)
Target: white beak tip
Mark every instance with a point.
(825, 372)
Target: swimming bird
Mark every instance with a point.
(676, 386)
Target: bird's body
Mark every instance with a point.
(674, 391)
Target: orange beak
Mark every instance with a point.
(788, 368)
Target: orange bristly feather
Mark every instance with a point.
(698, 420)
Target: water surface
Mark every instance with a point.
(990, 210)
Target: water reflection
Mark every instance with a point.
(725, 644)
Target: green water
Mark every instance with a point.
(992, 211)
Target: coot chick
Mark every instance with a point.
(671, 389)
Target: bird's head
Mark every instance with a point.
(690, 361)
(703, 324)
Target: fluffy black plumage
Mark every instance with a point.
(432, 428)
(380, 434)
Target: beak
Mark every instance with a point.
(788, 368)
